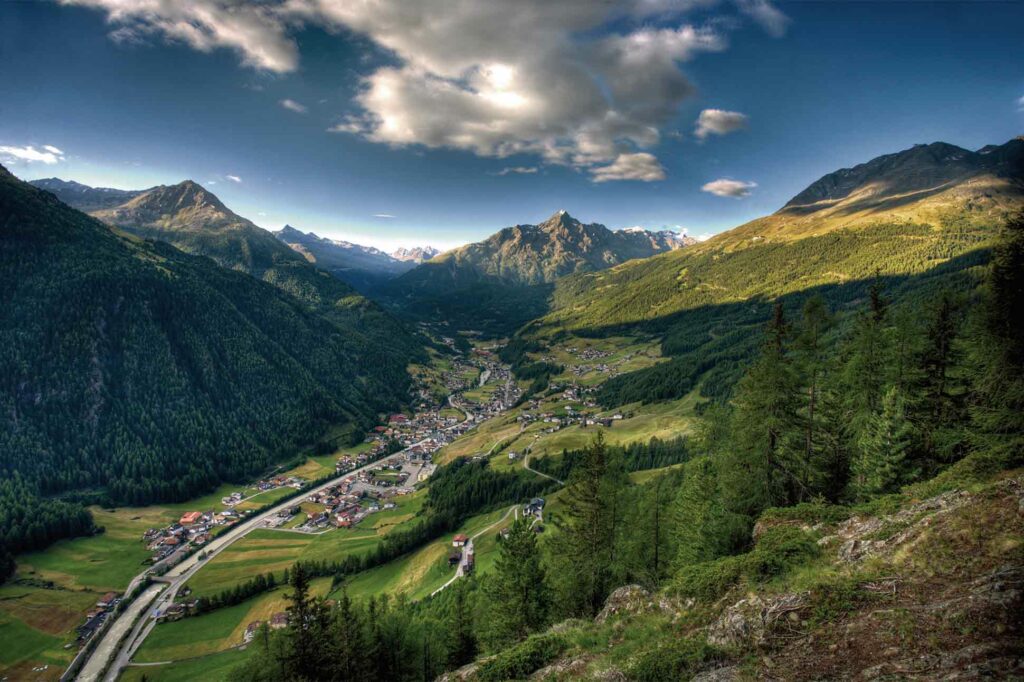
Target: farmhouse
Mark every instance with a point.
(251, 629)
(459, 540)
(189, 518)
(279, 620)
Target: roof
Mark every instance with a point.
(460, 538)
(190, 517)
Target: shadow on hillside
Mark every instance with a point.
(710, 345)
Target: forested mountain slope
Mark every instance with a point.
(143, 373)
(194, 220)
(505, 279)
(918, 220)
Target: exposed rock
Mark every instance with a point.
(727, 673)
(627, 600)
(569, 668)
(751, 621)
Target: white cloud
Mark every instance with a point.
(518, 170)
(639, 166)
(718, 122)
(1020, 104)
(233, 178)
(383, 215)
(723, 187)
(48, 155)
(580, 83)
(257, 31)
(292, 105)
(767, 15)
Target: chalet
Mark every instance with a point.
(251, 629)
(279, 620)
(459, 540)
(189, 518)
(172, 541)
(107, 600)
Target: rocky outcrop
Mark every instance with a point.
(752, 621)
(627, 600)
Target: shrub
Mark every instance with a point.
(678, 660)
(524, 658)
(778, 551)
(808, 512)
(709, 580)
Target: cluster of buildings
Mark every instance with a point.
(98, 615)
(193, 528)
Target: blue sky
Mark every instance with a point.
(459, 124)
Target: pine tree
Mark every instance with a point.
(461, 637)
(699, 517)
(517, 594)
(762, 470)
(812, 365)
(883, 447)
(346, 642)
(585, 545)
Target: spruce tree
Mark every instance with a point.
(764, 467)
(882, 449)
(517, 594)
(699, 517)
(997, 410)
(585, 543)
(460, 632)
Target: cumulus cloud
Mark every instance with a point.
(233, 178)
(583, 83)
(639, 166)
(718, 122)
(518, 170)
(724, 187)
(256, 31)
(48, 155)
(292, 105)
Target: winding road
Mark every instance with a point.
(461, 570)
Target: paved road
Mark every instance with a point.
(526, 465)
(118, 629)
(147, 605)
(461, 570)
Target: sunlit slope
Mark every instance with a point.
(902, 214)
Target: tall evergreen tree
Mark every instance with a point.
(997, 410)
(585, 544)
(700, 524)
(812, 361)
(761, 470)
(517, 594)
(461, 634)
(883, 447)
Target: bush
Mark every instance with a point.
(779, 550)
(678, 660)
(776, 553)
(808, 512)
(522, 659)
(709, 580)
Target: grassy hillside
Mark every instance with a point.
(913, 222)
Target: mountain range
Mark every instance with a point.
(504, 280)
(364, 267)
